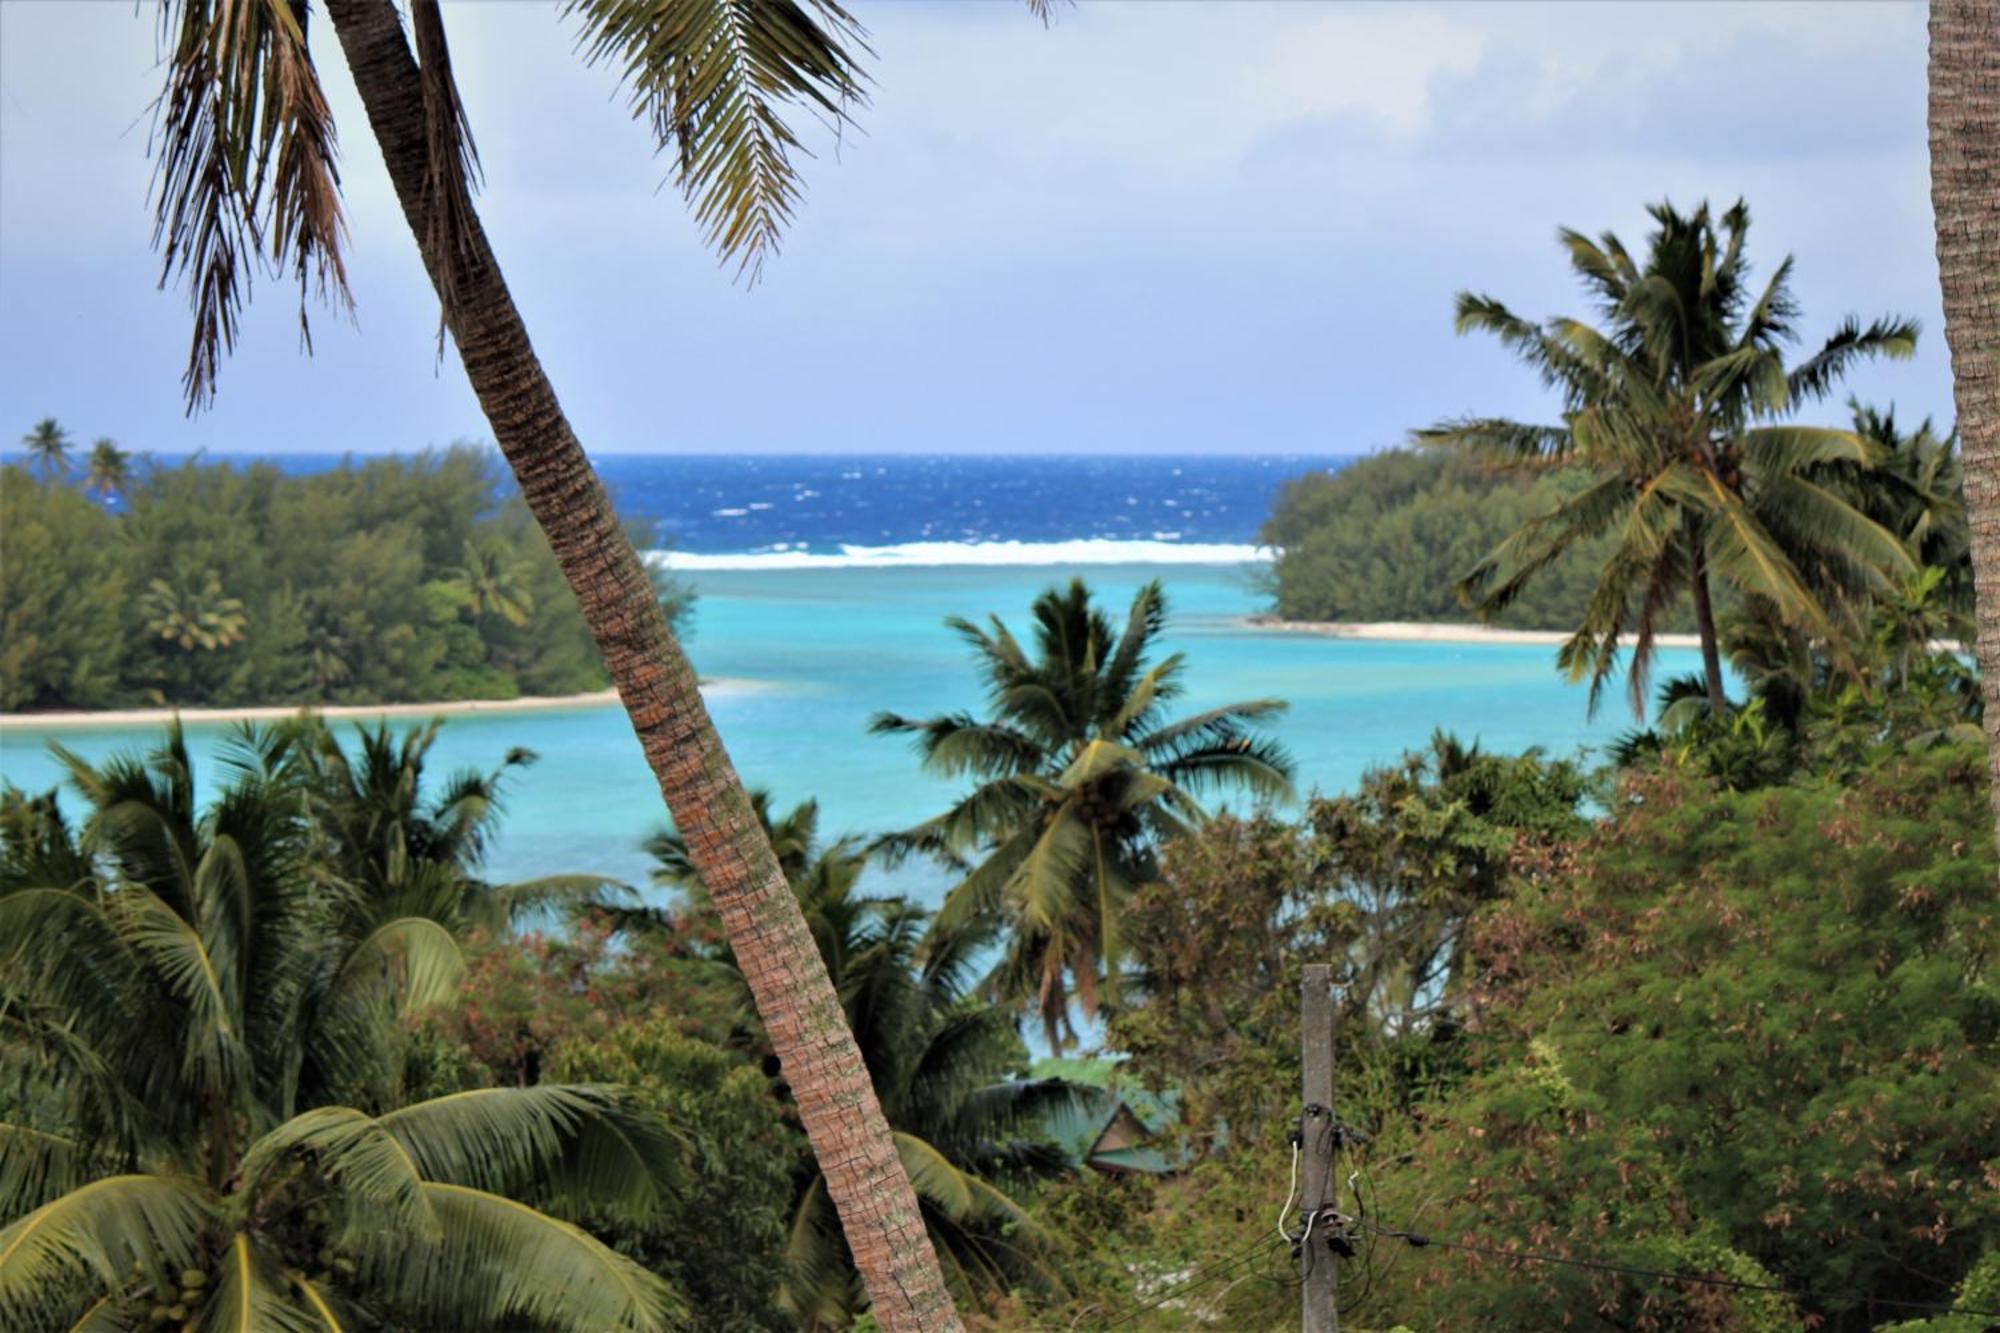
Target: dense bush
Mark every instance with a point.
(1764, 1020)
(1745, 1034)
(393, 579)
(1389, 536)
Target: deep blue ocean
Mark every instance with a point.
(823, 586)
(724, 504)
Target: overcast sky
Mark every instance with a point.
(1156, 227)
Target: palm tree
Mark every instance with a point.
(48, 447)
(375, 830)
(1660, 413)
(203, 620)
(714, 79)
(944, 1065)
(1080, 778)
(1965, 199)
(493, 584)
(1916, 489)
(200, 1122)
(109, 470)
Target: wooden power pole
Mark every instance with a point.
(1320, 1136)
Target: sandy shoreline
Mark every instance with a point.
(139, 717)
(1416, 632)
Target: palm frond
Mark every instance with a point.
(1742, 550)
(583, 1141)
(214, 1055)
(714, 78)
(1816, 376)
(959, 743)
(529, 899)
(37, 1166)
(1256, 764)
(101, 1230)
(1144, 623)
(253, 1295)
(415, 957)
(246, 168)
(1500, 444)
(501, 1263)
(1783, 451)
(976, 900)
(376, 1173)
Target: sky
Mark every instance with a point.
(1153, 227)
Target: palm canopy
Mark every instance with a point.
(967, 1125)
(109, 470)
(1675, 418)
(823, 876)
(943, 1064)
(47, 444)
(199, 1115)
(382, 830)
(494, 585)
(248, 163)
(1079, 776)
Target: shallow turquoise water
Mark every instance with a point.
(829, 648)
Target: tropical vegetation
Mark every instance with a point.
(206, 1121)
(1387, 537)
(248, 178)
(1733, 1017)
(947, 1065)
(1964, 122)
(1079, 777)
(1677, 411)
(390, 580)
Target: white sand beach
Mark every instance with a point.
(138, 717)
(1419, 632)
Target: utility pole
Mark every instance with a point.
(1320, 1134)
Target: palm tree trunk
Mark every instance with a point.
(1704, 620)
(774, 948)
(1965, 197)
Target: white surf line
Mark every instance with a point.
(914, 555)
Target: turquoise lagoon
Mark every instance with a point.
(810, 654)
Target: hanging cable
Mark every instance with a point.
(1291, 1191)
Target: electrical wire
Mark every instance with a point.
(1417, 1240)
(1291, 1193)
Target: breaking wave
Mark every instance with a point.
(907, 555)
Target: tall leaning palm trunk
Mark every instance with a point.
(773, 946)
(1965, 195)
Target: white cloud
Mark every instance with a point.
(1375, 62)
(1153, 223)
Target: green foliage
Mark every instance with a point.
(1749, 1035)
(1079, 778)
(1892, 684)
(388, 580)
(62, 600)
(1390, 536)
(971, 1131)
(527, 998)
(1381, 883)
(723, 1240)
(1677, 408)
(200, 1062)
(1763, 1021)
(1979, 1291)
(47, 445)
